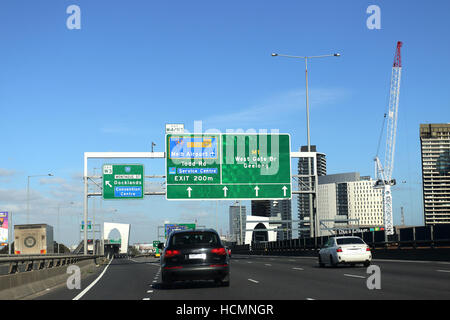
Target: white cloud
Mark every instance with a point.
(275, 110)
(7, 173)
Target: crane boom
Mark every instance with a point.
(384, 174)
(393, 114)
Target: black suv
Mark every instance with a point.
(195, 255)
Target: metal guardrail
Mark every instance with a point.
(25, 263)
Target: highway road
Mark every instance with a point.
(266, 278)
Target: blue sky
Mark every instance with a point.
(136, 65)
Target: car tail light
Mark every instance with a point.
(17, 252)
(367, 249)
(218, 265)
(339, 249)
(176, 267)
(43, 251)
(171, 253)
(219, 251)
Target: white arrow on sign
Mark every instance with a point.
(225, 191)
(284, 190)
(108, 184)
(189, 189)
(256, 190)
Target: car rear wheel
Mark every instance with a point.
(225, 282)
(332, 262)
(166, 281)
(321, 264)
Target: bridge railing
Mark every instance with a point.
(437, 236)
(10, 264)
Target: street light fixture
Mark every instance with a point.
(306, 76)
(307, 123)
(28, 192)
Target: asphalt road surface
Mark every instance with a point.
(266, 278)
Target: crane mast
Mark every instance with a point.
(384, 174)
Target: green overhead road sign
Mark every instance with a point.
(123, 181)
(89, 225)
(168, 228)
(228, 166)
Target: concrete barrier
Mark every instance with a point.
(20, 285)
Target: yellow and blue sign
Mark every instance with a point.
(193, 147)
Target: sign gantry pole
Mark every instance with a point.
(108, 155)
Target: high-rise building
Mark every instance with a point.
(305, 201)
(238, 218)
(261, 208)
(275, 208)
(435, 151)
(349, 197)
(283, 209)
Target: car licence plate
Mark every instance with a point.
(197, 256)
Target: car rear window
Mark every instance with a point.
(189, 239)
(349, 241)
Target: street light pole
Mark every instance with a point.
(57, 223)
(28, 192)
(310, 195)
(307, 108)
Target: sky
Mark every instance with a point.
(134, 66)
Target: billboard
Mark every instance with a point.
(3, 228)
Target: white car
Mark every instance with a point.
(345, 250)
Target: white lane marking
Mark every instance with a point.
(354, 276)
(253, 280)
(443, 270)
(149, 291)
(82, 293)
(268, 264)
(311, 299)
(154, 264)
(249, 262)
(146, 299)
(297, 268)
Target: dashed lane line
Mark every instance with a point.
(354, 276)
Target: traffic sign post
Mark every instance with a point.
(123, 181)
(228, 166)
